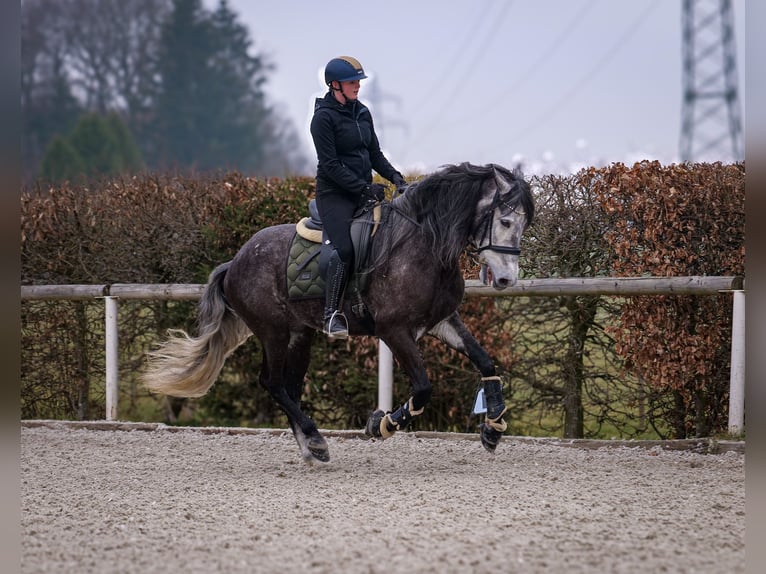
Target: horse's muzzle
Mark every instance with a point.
(501, 283)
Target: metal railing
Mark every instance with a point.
(553, 287)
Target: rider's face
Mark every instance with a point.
(350, 89)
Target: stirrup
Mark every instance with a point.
(339, 333)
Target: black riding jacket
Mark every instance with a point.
(347, 147)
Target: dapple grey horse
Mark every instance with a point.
(415, 287)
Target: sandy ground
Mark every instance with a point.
(187, 501)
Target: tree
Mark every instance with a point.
(126, 147)
(96, 145)
(85, 55)
(183, 81)
(111, 46)
(183, 69)
(237, 125)
(563, 349)
(211, 104)
(104, 146)
(61, 161)
(112, 50)
(48, 105)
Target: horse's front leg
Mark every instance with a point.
(384, 425)
(453, 332)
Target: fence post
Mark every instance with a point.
(737, 373)
(385, 377)
(112, 358)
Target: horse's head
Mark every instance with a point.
(502, 215)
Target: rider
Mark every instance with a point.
(347, 151)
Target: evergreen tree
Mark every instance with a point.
(105, 145)
(61, 162)
(126, 147)
(97, 146)
(183, 64)
(211, 106)
(239, 119)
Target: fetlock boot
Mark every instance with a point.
(334, 321)
(494, 426)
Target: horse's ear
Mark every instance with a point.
(503, 186)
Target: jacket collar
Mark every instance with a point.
(329, 101)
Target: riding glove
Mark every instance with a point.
(400, 183)
(377, 191)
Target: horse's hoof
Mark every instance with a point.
(320, 455)
(489, 437)
(372, 429)
(313, 448)
(318, 449)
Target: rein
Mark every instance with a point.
(404, 215)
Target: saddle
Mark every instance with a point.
(310, 250)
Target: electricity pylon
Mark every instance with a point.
(711, 125)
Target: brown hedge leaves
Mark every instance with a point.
(647, 219)
(675, 221)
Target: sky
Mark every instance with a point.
(555, 85)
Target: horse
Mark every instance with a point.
(414, 288)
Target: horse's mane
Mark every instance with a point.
(444, 205)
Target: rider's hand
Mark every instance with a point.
(400, 184)
(378, 191)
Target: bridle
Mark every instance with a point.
(486, 225)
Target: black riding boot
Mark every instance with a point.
(334, 321)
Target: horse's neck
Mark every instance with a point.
(408, 235)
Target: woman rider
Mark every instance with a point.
(347, 151)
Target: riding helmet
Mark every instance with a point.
(343, 69)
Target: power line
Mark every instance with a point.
(549, 113)
(461, 51)
(462, 79)
(488, 38)
(531, 70)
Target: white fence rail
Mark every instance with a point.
(608, 286)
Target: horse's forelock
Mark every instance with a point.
(518, 192)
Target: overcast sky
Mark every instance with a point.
(557, 84)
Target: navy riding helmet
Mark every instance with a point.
(343, 69)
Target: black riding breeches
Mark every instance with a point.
(337, 211)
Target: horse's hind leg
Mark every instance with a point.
(313, 446)
(453, 332)
(285, 361)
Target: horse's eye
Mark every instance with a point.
(505, 223)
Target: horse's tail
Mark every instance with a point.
(187, 366)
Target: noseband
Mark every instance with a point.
(487, 229)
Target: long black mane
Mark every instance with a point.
(444, 205)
